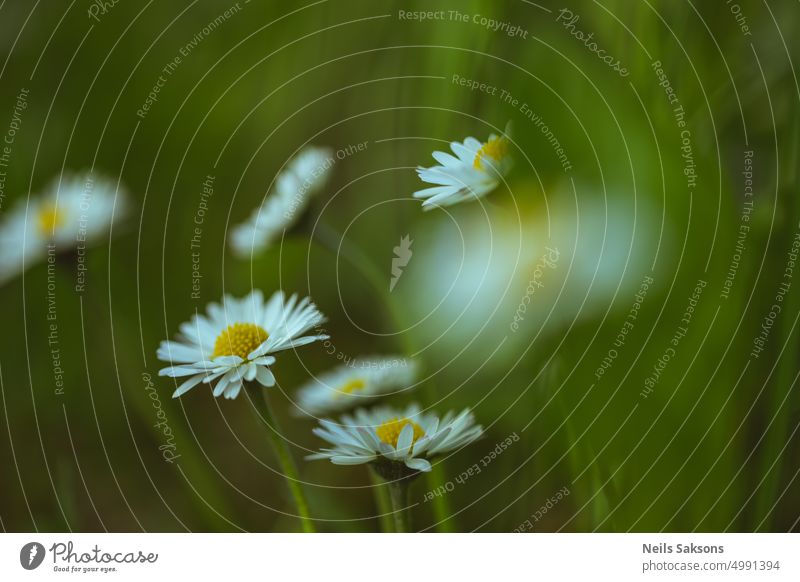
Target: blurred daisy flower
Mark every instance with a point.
(75, 211)
(234, 341)
(304, 176)
(392, 439)
(477, 275)
(475, 170)
(356, 383)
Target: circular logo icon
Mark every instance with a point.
(31, 555)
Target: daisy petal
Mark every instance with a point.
(265, 377)
(418, 465)
(187, 385)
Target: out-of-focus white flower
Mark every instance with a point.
(234, 341)
(475, 170)
(400, 436)
(304, 176)
(527, 270)
(75, 211)
(359, 383)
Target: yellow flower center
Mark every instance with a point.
(49, 219)
(354, 385)
(496, 148)
(239, 339)
(390, 430)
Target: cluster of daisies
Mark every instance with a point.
(78, 210)
(236, 343)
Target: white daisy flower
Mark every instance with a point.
(475, 170)
(356, 383)
(304, 176)
(74, 212)
(401, 437)
(234, 342)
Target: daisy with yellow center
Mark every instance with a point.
(49, 219)
(496, 150)
(360, 382)
(389, 431)
(233, 342)
(405, 439)
(74, 210)
(239, 339)
(354, 385)
(476, 169)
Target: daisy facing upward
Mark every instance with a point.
(232, 346)
(235, 341)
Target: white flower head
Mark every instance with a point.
(475, 170)
(75, 210)
(358, 383)
(234, 342)
(407, 436)
(304, 176)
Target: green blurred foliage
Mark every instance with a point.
(712, 448)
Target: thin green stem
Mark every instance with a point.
(279, 446)
(381, 493)
(332, 242)
(398, 493)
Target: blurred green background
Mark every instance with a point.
(713, 447)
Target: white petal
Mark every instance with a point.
(465, 154)
(264, 376)
(250, 372)
(404, 440)
(355, 460)
(188, 385)
(232, 391)
(418, 464)
(178, 353)
(445, 159)
(177, 371)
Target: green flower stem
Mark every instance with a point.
(398, 493)
(381, 493)
(264, 410)
(441, 504)
(327, 238)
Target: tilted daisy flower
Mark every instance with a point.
(304, 176)
(234, 341)
(358, 383)
(74, 212)
(475, 170)
(396, 442)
